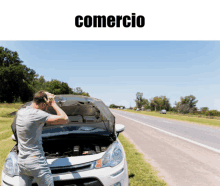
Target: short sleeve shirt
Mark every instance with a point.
(29, 124)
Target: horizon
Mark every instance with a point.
(114, 71)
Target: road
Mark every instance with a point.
(185, 154)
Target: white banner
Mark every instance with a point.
(109, 20)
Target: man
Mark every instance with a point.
(29, 123)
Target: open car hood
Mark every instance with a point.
(84, 113)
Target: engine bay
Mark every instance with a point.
(68, 148)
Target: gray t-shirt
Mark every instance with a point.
(29, 126)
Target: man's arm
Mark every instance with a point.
(61, 117)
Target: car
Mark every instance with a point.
(163, 111)
(86, 151)
(137, 109)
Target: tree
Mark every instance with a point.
(189, 100)
(79, 91)
(212, 113)
(57, 87)
(204, 109)
(146, 104)
(165, 103)
(15, 78)
(54, 86)
(176, 108)
(187, 104)
(113, 106)
(140, 101)
(39, 83)
(159, 103)
(116, 106)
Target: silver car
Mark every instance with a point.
(163, 111)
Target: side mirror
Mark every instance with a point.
(13, 137)
(119, 128)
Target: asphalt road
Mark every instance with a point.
(185, 154)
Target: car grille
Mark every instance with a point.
(77, 182)
(73, 168)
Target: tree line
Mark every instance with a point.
(18, 83)
(116, 106)
(156, 103)
(186, 105)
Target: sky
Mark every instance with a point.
(114, 71)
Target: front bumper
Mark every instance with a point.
(107, 176)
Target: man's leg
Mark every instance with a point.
(43, 174)
(45, 179)
(24, 180)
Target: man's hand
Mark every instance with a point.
(61, 117)
(50, 99)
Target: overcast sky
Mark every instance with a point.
(115, 71)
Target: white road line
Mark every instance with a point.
(166, 121)
(174, 135)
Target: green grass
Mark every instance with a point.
(140, 172)
(5, 123)
(10, 105)
(5, 134)
(6, 143)
(195, 119)
(6, 109)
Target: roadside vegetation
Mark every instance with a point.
(140, 172)
(6, 143)
(205, 120)
(6, 109)
(185, 109)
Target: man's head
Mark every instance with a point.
(39, 100)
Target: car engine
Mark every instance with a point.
(62, 149)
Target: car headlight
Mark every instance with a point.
(11, 165)
(112, 157)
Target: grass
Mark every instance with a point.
(10, 105)
(6, 109)
(6, 143)
(140, 172)
(5, 123)
(204, 121)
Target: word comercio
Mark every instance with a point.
(110, 21)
